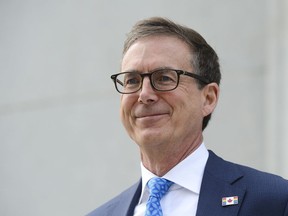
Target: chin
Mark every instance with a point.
(151, 136)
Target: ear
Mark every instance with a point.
(210, 98)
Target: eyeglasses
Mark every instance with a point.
(160, 80)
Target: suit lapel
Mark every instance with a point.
(219, 181)
(124, 204)
(130, 200)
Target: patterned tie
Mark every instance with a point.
(158, 188)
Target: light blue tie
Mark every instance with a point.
(158, 188)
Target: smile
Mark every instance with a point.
(143, 115)
(153, 117)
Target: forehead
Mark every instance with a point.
(154, 52)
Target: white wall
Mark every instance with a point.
(61, 140)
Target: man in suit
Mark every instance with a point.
(169, 88)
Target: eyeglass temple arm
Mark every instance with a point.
(196, 76)
(118, 81)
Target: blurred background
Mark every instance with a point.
(61, 140)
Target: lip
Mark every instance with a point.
(146, 115)
(151, 113)
(151, 117)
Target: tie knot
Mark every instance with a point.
(158, 186)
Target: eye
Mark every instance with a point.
(165, 77)
(132, 79)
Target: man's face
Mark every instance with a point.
(154, 118)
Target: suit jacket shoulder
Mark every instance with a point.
(258, 193)
(123, 204)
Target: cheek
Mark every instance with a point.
(188, 108)
(123, 110)
(126, 115)
(126, 106)
(126, 103)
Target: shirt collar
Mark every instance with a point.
(188, 173)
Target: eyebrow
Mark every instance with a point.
(150, 71)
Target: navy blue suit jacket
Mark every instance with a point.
(259, 194)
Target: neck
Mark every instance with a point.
(160, 160)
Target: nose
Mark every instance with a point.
(147, 94)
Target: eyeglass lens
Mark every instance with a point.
(161, 80)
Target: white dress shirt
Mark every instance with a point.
(182, 197)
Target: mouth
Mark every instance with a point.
(151, 116)
(147, 113)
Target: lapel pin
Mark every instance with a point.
(227, 201)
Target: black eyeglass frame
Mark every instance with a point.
(143, 75)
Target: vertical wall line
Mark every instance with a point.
(284, 70)
(271, 89)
